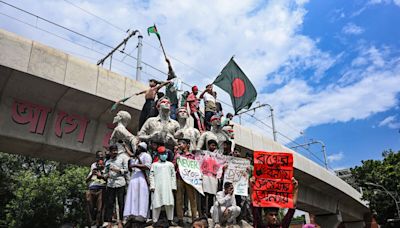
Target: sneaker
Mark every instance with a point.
(172, 223)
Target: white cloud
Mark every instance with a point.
(335, 157)
(352, 29)
(390, 122)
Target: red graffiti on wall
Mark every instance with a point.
(68, 123)
(24, 112)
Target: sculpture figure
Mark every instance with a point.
(161, 127)
(216, 134)
(120, 134)
(186, 131)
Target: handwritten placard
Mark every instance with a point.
(273, 172)
(237, 174)
(190, 172)
(211, 163)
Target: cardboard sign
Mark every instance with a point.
(211, 163)
(273, 186)
(189, 170)
(237, 174)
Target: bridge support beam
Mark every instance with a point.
(329, 220)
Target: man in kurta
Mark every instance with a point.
(137, 198)
(162, 184)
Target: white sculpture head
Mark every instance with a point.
(182, 114)
(215, 121)
(122, 117)
(164, 104)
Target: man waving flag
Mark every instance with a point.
(237, 84)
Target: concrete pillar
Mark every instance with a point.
(329, 220)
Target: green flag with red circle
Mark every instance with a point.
(233, 80)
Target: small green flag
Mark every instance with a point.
(237, 84)
(115, 105)
(153, 29)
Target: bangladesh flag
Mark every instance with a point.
(153, 29)
(237, 84)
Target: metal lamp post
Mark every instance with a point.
(390, 194)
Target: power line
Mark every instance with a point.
(94, 15)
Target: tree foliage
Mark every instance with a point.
(386, 173)
(40, 193)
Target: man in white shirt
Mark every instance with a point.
(225, 209)
(210, 107)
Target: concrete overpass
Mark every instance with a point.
(55, 106)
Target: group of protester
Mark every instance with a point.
(138, 176)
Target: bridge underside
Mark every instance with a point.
(41, 118)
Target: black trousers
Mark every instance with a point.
(111, 194)
(146, 112)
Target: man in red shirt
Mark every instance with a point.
(194, 109)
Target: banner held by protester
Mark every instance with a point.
(273, 172)
(189, 170)
(237, 174)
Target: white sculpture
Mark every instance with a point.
(216, 134)
(120, 134)
(161, 127)
(185, 130)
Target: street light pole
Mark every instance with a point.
(390, 194)
(314, 142)
(274, 131)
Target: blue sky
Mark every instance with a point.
(330, 69)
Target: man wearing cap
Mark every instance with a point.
(186, 131)
(194, 109)
(160, 127)
(216, 134)
(137, 197)
(162, 184)
(184, 152)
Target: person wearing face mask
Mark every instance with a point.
(162, 180)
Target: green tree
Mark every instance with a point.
(40, 193)
(384, 172)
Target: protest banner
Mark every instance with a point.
(273, 186)
(189, 170)
(211, 163)
(237, 174)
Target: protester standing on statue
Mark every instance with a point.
(225, 209)
(183, 187)
(209, 105)
(149, 95)
(218, 106)
(97, 184)
(116, 168)
(195, 109)
(162, 185)
(271, 213)
(137, 197)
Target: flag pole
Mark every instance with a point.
(161, 44)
